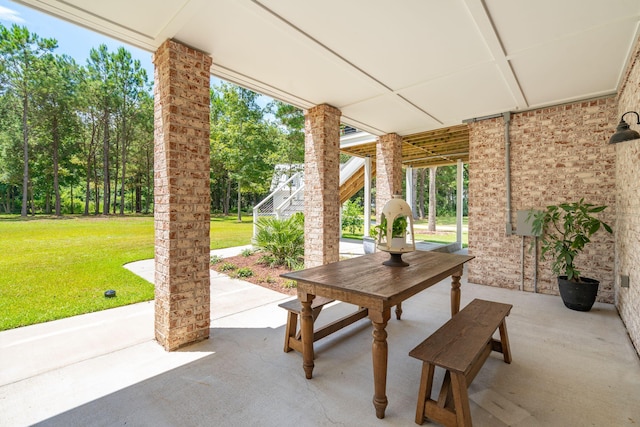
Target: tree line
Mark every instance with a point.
(79, 138)
(72, 137)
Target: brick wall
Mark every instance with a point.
(388, 169)
(182, 199)
(627, 227)
(558, 154)
(322, 186)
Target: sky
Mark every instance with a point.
(73, 40)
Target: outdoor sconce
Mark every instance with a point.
(395, 231)
(623, 133)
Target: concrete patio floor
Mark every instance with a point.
(101, 369)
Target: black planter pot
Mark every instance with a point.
(578, 296)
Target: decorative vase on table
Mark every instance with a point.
(395, 231)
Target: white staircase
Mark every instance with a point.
(288, 196)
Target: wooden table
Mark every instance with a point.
(365, 282)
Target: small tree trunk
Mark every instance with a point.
(56, 183)
(227, 199)
(421, 175)
(106, 196)
(432, 198)
(239, 203)
(25, 156)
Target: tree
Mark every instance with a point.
(21, 53)
(56, 122)
(241, 141)
(421, 176)
(130, 80)
(432, 198)
(10, 152)
(101, 72)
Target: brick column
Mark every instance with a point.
(182, 199)
(321, 185)
(388, 169)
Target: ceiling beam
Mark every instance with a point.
(487, 30)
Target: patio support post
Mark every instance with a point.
(182, 198)
(388, 169)
(322, 185)
(459, 202)
(367, 195)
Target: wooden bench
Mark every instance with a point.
(460, 346)
(292, 337)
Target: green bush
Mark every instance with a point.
(227, 266)
(282, 240)
(352, 218)
(215, 259)
(247, 252)
(290, 284)
(244, 272)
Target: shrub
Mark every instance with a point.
(290, 284)
(247, 252)
(227, 266)
(244, 272)
(282, 240)
(215, 259)
(352, 218)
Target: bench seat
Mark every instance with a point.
(460, 346)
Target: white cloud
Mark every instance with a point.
(10, 15)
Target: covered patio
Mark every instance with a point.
(537, 88)
(105, 368)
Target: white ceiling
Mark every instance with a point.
(403, 66)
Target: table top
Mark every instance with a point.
(363, 278)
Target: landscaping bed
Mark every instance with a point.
(261, 274)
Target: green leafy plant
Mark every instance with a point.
(564, 231)
(227, 266)
(244, 272)
(282, 240)
(247, 252)
(215, 259)
(290, 284)
(352, 218)
(398, 228)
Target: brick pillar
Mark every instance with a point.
(388, 169)
(182, 199)
(321, 185)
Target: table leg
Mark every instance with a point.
(455, 292)
(380, 351)
(306, 330)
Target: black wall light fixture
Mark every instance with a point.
(623, 133)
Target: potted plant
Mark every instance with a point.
(564, 231)
(369, 242)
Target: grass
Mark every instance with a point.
(55, 268)
(445, 228)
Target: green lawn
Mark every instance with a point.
(56, 268)
(445, 231)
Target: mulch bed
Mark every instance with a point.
(263, 275)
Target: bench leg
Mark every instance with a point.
(461, 399)
(424, 393)
(504, 339)
(292, 327)
(290, 330)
